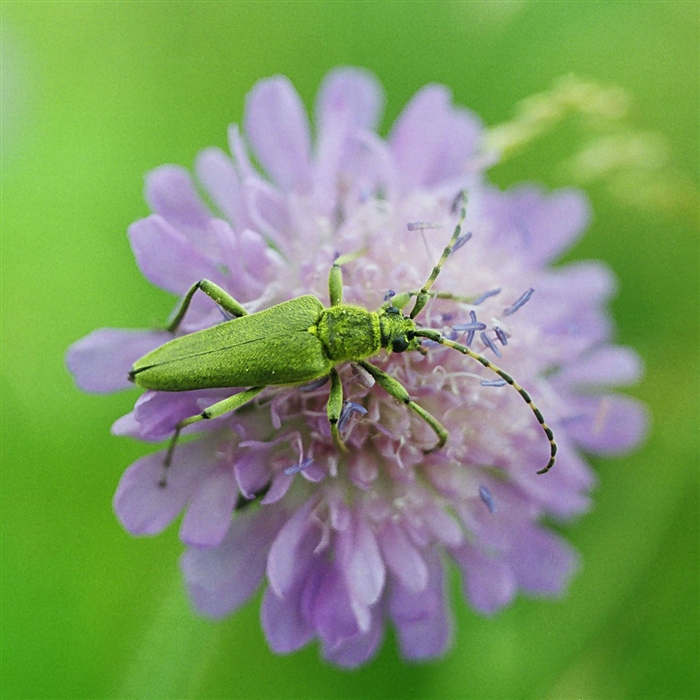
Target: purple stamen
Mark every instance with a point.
(501, 335)
(470, 334)
(486, 295)
(227, 315)
(487, 498)
(493, 382)
(316, 384)
(471, 327)
(349, 407)
(422, 225)
(461, 241)
(521, 301)
(489, 344)
(391, 293)
(294, 469)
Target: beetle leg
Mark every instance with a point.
(214, 411)
(335, 276)
(213, 291)
(398, 391)
(334, 407)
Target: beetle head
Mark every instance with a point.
(398, 331)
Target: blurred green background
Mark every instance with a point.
(97, 93)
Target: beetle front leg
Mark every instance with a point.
(399, 392)
(214, 411)
(213, 291)
(334, 408)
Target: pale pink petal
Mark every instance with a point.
(350, 90)
(146, 508)
(267, 212)
(333, 615)
(488, 582)
(170, 193)
(608, 424)
(361, 561)
(100, 362)
(157, 412)
(359, 649)
(432, 141)
(277, 127)
(167, 258)
(286, 629)
(541, 561)
(423, 620)
(209, 515)
(609, 365)
(218, 175)
(222, 578)
(537, 224)
(281, 565)
(402, 558)
(252, 472)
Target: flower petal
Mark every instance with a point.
(537, 224)
(100, 362)
(252, 472)
(208, 518)
(267, 211)
(361, 561)
(357, 650)
(218, 175)
(334, 616)
(221, 579)
(423, 620)
(351, 90)
(609, 365)
(286, 629)
(167, 258)
(156, 413)
(402, 558)
(432, 141)
(282, 564)
(564, 493)
(488, 582)
(608, 424)
(145, 508)
(170, 193)
(278, 129)
(542, 562)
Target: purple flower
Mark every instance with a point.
(345, 543)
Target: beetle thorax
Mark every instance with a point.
(349, 332)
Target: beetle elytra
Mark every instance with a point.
(299, 341)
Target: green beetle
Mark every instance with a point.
(299, 341)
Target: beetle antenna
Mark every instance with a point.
(437, 337)
(454, 243)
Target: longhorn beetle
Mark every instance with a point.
(299, 341)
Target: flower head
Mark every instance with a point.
(345, 542)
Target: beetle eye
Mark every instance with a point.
(399, 344)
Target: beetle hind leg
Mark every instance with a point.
(214, 411)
